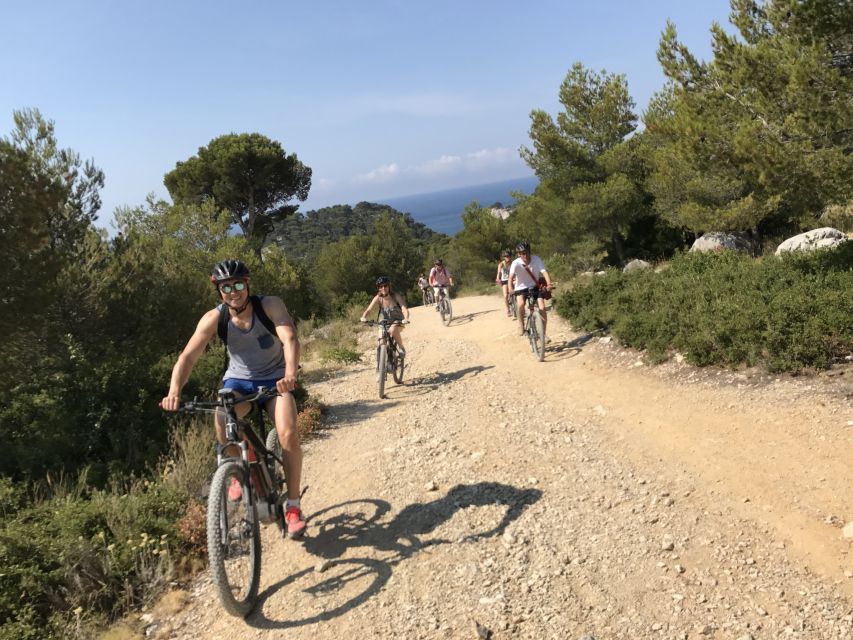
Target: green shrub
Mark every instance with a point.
(339, 355)
(86, 559)
(727, 309)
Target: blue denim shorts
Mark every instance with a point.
(248, 387)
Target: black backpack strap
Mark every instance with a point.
(258, 308)
(222, 327)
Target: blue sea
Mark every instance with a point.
(442, 210)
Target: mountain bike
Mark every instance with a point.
(534, 324)
(388, 358)
(246, 490)
(428, 296)
(445, 309)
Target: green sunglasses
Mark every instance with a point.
(228, 288)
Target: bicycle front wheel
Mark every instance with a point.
(399, 365)
(537, 336)
(233, 539)
(446, 311)
(381, 368)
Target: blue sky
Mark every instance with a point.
(380, 98)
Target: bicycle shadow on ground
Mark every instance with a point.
(468, 317)
(340, 528)
(439, 378)
(571, 348)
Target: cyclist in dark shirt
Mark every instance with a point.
(256, 358)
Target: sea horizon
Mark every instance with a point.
(442, 210)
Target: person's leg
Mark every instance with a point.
(396, 332)
(505, 288)
(241, 387)
(282, 410)
(543, 313)
(435, 294)
(522, 309)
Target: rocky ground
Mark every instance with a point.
(587, 496)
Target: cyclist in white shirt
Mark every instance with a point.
(439, 277)
(524, 274)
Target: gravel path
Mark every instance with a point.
(588, 496)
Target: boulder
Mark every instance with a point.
(636, 265)
(823, 238)
(717, 241)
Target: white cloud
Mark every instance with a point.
(475, 162)
(384, 173)
(323, 184)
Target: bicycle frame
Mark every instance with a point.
(254, 454)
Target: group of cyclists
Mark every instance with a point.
(262, 348)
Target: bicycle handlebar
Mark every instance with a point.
(195, 405)
(384, 323)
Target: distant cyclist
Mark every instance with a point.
(258, 356)
(502, 278)
(524, 275)
(423, 285)
(392, 307)
(439, 277)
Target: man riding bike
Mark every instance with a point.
(524, 273)
(263, 351)
(439, 277)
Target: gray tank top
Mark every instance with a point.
(255, 354)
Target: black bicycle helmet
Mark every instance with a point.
(506, 253)
(524, 245)
(383, 280)
(228, 270)
(438, 262)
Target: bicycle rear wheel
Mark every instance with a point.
(233, 540)
(446, 311)
(381, 368)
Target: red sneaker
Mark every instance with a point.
(235, 491)
(295, 522)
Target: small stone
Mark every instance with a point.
(667, 544)
(322, 566)
(431, 486)
(847, 531)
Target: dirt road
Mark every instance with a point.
(587, 496)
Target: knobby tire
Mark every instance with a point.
(233, 541)
(399, 364)
(381, 368)
(446, 311)
(539, 331)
